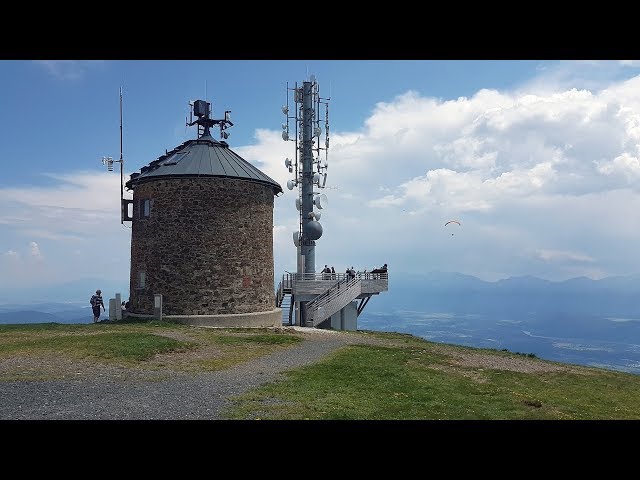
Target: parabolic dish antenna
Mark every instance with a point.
(313, 230)
(321, 201)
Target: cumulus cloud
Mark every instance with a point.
(34, 251)
(552, 171)
(624, 166)
(494, 146)
(543, 178)
(25, 266)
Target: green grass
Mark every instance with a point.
(82, 328)
(407, 383)
(124, 347)
(134, 343)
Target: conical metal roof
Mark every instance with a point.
(204, 157)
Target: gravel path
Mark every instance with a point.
(177, 396)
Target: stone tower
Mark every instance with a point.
(202, 234)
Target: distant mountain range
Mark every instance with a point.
(78, 291)
(583, 321)
(459, 293)
(46, 313)
(580, 320)
(431, 291)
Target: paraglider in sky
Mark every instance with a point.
(453, 221)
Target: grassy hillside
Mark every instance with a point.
(378, 376)
(423, 380)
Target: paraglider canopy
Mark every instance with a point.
(453, 221)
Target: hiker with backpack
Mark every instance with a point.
(96, 302)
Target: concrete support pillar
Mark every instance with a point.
(118, 306)
(157, 306)
(112, 309)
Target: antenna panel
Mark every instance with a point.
(200, 108)
(321, 201)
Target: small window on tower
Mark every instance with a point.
(145, 207)
(142, 279)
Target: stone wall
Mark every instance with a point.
(206, 246)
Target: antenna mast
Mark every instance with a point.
(202, 110)
(310, 171)
(121, 167)
(108, 161)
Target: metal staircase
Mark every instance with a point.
(284, 300)
(332, 301)
(287, 310)
(323, 295)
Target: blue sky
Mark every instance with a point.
(537, 159)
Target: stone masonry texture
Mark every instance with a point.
(206, 246)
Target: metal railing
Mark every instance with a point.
(288, 279)
(286, 285)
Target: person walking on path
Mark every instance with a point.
(96, 302)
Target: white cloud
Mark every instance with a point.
(76, 203)
(624, 167)
(630, 63)
(35, 251)
(553, 172)
(80, 208)
(68, 69)
(543, 180)
(563, 256)
(580, 74)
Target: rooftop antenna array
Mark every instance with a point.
(202, 110)
(108, 161)
(308, 168)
